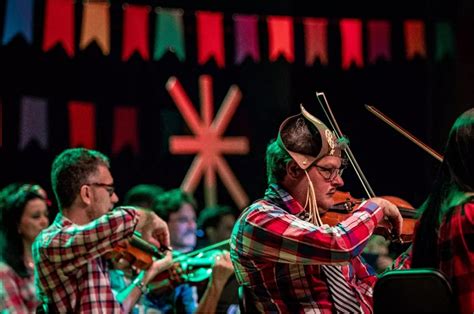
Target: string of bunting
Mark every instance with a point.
(59, 29)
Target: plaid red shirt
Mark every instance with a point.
(70, 273)
(17, 294)
(456, 243)
(276, 254)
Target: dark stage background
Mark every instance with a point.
(422, 95)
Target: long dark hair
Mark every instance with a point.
(13, 199)
(455, 175)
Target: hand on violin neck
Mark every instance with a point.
(153, 228)
(391, 213)
(158, 266)
(222, 269)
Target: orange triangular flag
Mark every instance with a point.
(96, 26)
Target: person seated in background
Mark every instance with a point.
(216, 223)
(71, 273)
(444, 234)
(178, 209)
(142, 195)
(24, 213)
(377, 253)
(121, 271)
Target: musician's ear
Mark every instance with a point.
(85, 194)
(293, 170)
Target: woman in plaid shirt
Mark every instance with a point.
(444, 238)
(284, 256)
(24, 213)
(71, 273)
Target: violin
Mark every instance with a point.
(345, 203)
(137, 252)
(195, 270)
(384, 227)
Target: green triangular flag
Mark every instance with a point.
(169, 34)
(444, 41)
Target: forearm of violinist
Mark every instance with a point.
(221, 271)
(210, 298)
(129, 296)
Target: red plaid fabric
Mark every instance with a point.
(70, 274)
(456, 243)
(277, 255)
(456, 255)
(17, 294)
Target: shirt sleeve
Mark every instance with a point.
(272, 233)
(73, 246)
(11, 300)
(364, 275)
(403, 261)
(457, 254)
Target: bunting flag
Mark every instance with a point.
(351, 45)
(281, 38)
(82, 124)
(135, 31)
(33, 122)
(125, 129)
(210, 37)
(169, 34)
(414, 31)
(246, 38)
(444, 41)
(96, 26)
(59, 25)
(379, 36)
(316, 43)
(18, 20)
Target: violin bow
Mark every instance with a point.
(404, 132)
(332, 120)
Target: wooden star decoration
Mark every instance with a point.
(208, 142)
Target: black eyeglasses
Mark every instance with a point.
(109, 187)
(330, 174)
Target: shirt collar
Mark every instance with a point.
(61, 220)
(276, 193)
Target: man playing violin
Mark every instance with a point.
(177, 208)
(285, 256)
(71, 275)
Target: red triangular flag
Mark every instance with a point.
(135, 31)
(82, 124)
(210, 37)
(351, 46)
(315, 35)
(379, 40)
(281, 38)
(59, 25)
(414, 38)
(125, 129)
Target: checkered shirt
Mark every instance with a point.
(277, 255)
(17, 294)
(70, 274)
